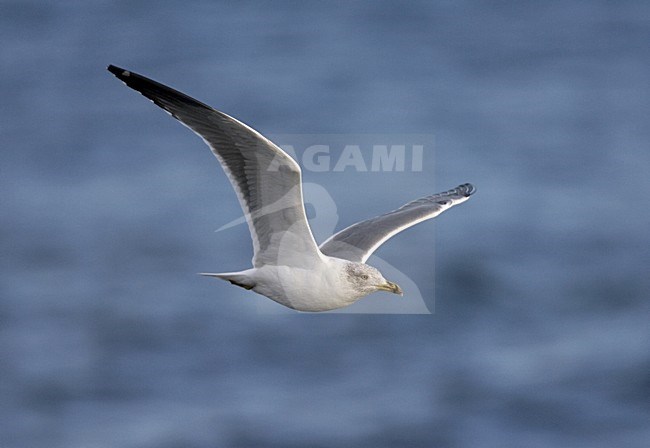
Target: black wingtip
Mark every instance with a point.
(119, 72)
(162, 95)
(467, 189)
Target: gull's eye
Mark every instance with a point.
(364, 276)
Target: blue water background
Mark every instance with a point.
(541, 333)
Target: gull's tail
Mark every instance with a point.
(236, 278)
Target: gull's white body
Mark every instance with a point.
(288, 266)
(322, 287)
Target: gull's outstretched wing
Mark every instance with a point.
(267, 180)
(360, 240)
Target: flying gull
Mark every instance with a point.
(288, 266)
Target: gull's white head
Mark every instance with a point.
(365, 279)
